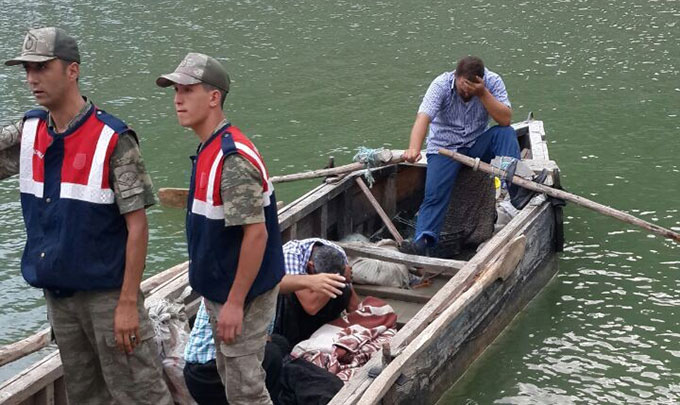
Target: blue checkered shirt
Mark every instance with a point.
(200, 348)
(454, 123)
(296, 254)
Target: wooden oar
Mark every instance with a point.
(177, 197)
(584, 202)
(500, 268)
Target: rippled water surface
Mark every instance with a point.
(313, 79)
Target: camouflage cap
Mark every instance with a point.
(43, 44)
(197, 68)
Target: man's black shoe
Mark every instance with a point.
(520, 196)
(418, 247)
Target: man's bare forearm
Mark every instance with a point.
(135, 255)
(500, 112)
(419, 131)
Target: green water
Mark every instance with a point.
(314, 79)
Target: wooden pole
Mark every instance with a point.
(584, 202)
(40, 339)
(17, 350)
(177, 197)
(381, 213)
(360, 249)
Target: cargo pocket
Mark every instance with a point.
(138, 368)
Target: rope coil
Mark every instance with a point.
(370, 158)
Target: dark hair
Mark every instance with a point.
(469, 67)
(327, 259)
(210, 87)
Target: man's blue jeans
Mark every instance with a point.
(442, 172)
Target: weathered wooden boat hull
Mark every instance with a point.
(428, 375)
(338, 208)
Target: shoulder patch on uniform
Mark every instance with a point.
(228, 146)
(36, 113)
(116, 124)
(130, 132)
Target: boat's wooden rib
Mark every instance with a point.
(441, 266)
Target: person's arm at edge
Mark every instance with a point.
(312, 302)
(126, 318)
(10, 138)
(418, 133)
(131, 198)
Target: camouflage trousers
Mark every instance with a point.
(95, 370)
(240, 363)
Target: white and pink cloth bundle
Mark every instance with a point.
(347, 343)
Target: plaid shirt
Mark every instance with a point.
(453, 122)
(296, 254)
(200, 348)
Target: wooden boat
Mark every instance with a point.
(442, 327)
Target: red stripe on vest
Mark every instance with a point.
(79, 148)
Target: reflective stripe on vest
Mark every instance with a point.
(211, 205)
(27, 183)
(33, 183)
(208, 207)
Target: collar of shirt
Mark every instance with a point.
(74, 120)
(217, 128)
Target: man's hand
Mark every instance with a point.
(126, 326)
(411, 155)
(475, 88)
(230, 322)
(327, 284)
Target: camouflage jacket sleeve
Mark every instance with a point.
(241, 191)
(10, 139)
(130, 181)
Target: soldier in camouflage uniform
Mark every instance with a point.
(235, 255)
(94, 303)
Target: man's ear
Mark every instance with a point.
(215, 99)
(310, 267)
(73, 71)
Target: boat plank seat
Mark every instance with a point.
(442, 266)
(419, 296)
